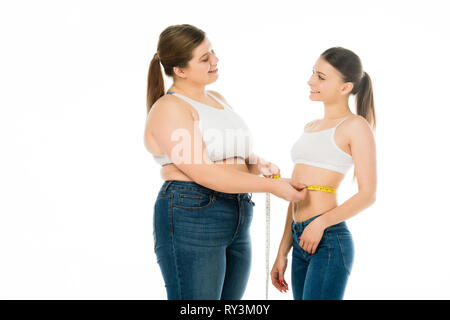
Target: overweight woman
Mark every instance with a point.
(203, 210)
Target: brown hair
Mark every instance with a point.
(175, 46)
(350, 67)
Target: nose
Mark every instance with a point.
(214, 59)
(310, 82)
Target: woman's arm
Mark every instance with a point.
(178, 135)
(363, 148)
(280, 264)
(286, 239)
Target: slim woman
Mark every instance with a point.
(323, 251)
(203, 210)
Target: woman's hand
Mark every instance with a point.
(267, 169)
(277, 274)
(311, 236)
(288, 190)
(257, 165)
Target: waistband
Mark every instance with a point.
(191, 185)
(303, 224)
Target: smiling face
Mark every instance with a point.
(202, 68)
(326, 83)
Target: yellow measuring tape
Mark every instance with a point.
(314, 187)
(321, 188)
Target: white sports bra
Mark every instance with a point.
(319, 149)
(224, 132)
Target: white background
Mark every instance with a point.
(77, 186)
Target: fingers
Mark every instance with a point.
(297, 185)
(308, 246)
(269, 169)
(278, 281)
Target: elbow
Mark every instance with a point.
(369, 196)
(373, 198)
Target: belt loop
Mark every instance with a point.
(167, 186)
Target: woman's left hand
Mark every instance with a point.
(311, 236)
(268, 169)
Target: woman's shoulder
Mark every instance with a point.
(357, 122)
(167, 106)
(357, 128)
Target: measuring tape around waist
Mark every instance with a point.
(309, 187)
(320, 188)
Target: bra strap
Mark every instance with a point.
(341, 121)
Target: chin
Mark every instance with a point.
(209, 81)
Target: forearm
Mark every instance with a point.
(223, 179)
(286, 240)
(348, 209)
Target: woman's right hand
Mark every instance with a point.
(289, 190)
(277, 274)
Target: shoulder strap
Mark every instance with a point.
(226, 106)
(181, 97)
(341, 121)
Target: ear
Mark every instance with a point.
(347, 88)
(179, 72)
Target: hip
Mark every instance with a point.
(189, 200)
(313, 205)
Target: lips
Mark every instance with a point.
(313, 91)
(212, 71)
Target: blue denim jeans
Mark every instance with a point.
(324, 274)
(202, 241)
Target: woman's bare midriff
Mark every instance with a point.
(171, 172)
(316, 202)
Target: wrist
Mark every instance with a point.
(271, 185)
(324, 221)
(281, 255)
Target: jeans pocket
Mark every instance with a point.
(192, 199)
(346, 246)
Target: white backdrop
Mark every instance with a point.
(77, 186)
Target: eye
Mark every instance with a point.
(206, 60)
(321, 78)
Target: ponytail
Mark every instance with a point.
(155, 82)
(365, 106)
(175, 48)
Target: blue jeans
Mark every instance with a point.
(202, 241)
(324, 274)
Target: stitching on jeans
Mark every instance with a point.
(177, 271)
(167, 186)
(342, 254)
(170, 214)
(326, 270)
(239, 219)
(211, 200)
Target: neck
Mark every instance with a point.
(189, 89)
(336, 110)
